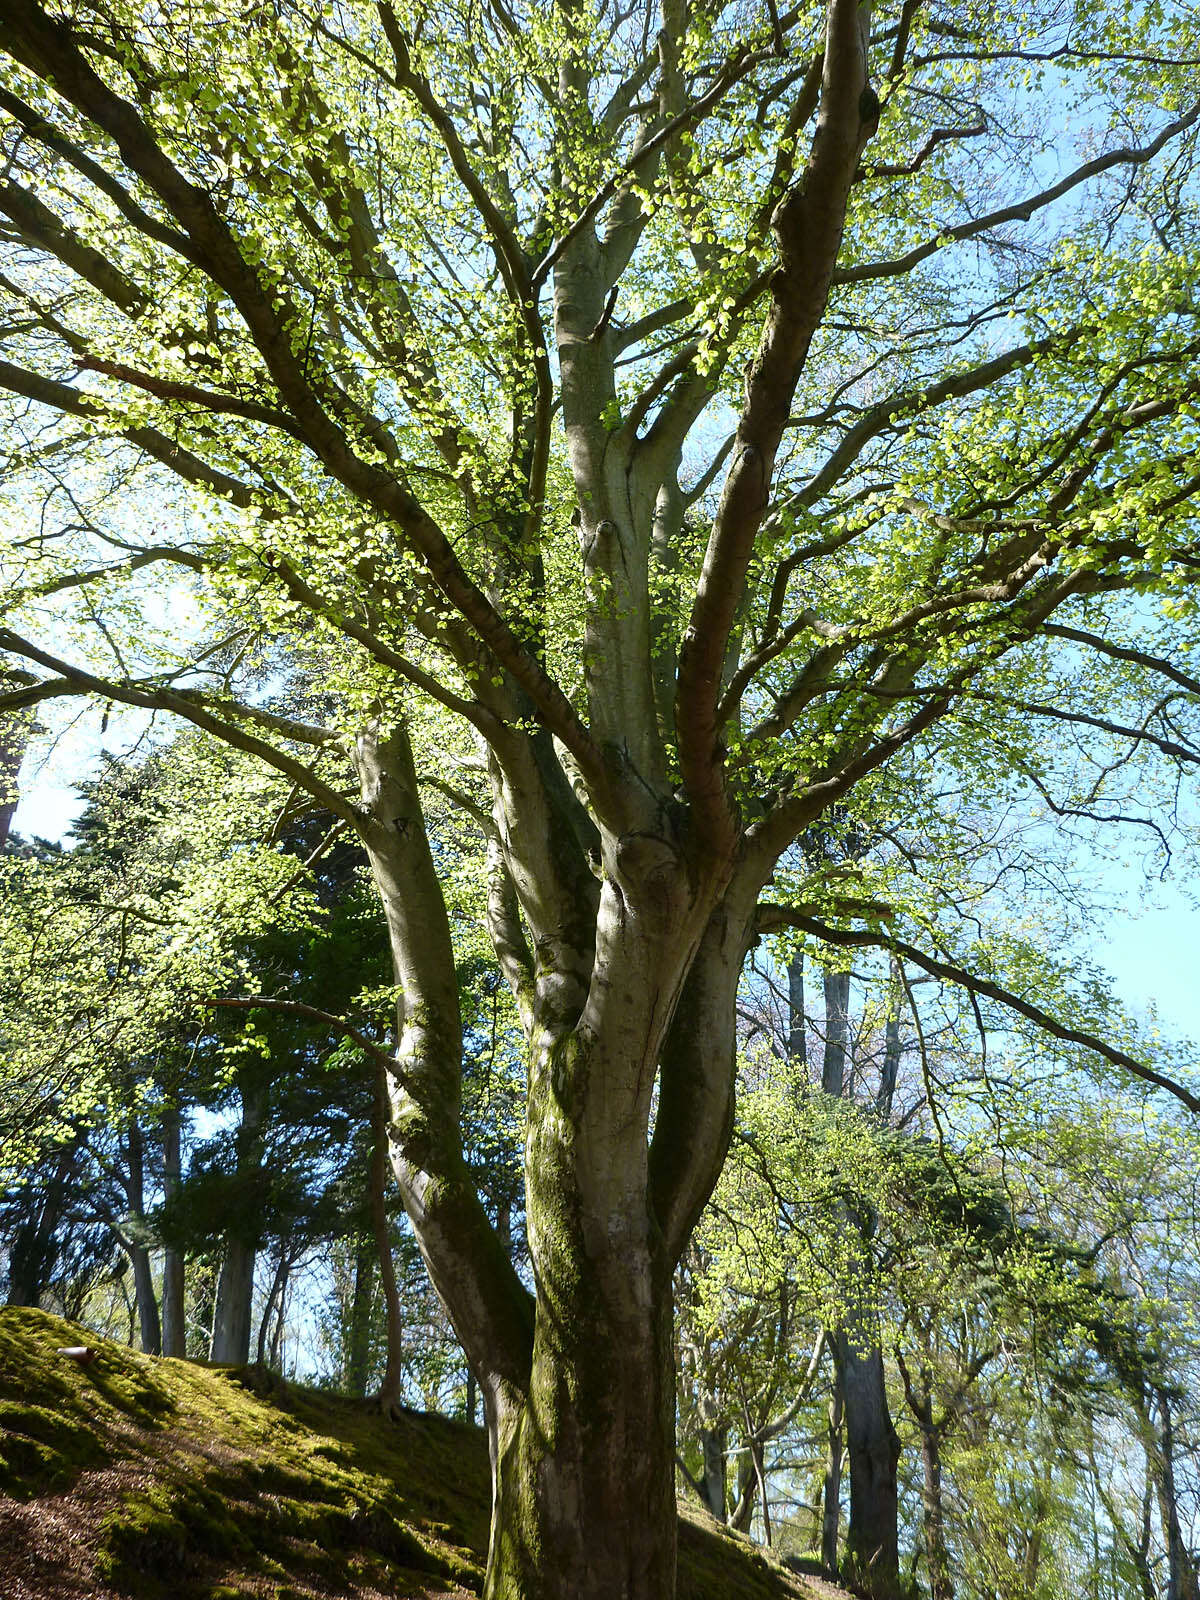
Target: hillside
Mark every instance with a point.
(135, 1476)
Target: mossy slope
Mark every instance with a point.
(141, 1477)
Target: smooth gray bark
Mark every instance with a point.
(149, 1328)
(713, 1444)
(393, 1374)
(837, 1032)
(15, 731)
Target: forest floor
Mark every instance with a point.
(172, 1480)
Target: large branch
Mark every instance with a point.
(491, 1309)
(809, 224)
(1021, 210)
(322, 411)
(193, 707)
(1118, 652)
(772, 915)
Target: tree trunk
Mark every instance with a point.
(275, 1354)
(15, 730)
(235, 1287)
(891, 1048)
(1182, 1583)
(174, 1326)
(831, 1497)
(584, 1502)
(358, 1330)
(712, 1473)
(941, 1586)
(149, 1327)
(872, 1543)
(872, 1448)
(797, 1042)
(274, 1299)
(149, 1330)
(578, 1382)
(837, 1032)
(232, 1318)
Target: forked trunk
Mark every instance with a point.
(578, 1378)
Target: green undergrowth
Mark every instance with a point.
(219, 1482)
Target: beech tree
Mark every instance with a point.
(692, 427)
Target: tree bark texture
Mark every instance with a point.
(712, 1474)
(149, 1328)
(1182, 1579)
(937, 1557)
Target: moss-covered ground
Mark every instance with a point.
(134, 1476)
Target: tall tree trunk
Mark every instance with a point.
(233, 1315)
(891, 1047)
(578, 1384)
(275, 1354)
(149, 1327)
(362, 1304)
(1182, 1582)
(274, 1301)
(941, 1586)
(837, 1032)
(15, 730)
(174, 1327)
(873, 1450)
(713, 1443)
(797, 1047)
(585, 1495)
(235, 1287)
(759, 1463)
(831, 1493)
